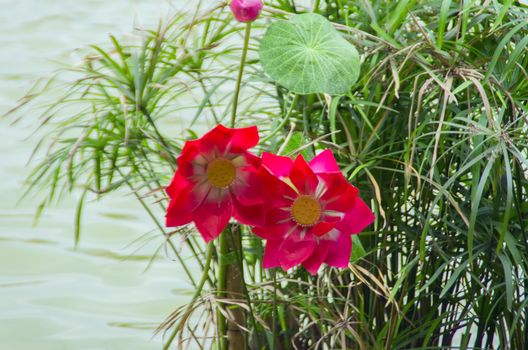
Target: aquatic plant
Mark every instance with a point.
(431, 130)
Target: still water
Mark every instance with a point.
(52, 297)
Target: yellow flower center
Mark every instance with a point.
(221, 173)
(306, 210)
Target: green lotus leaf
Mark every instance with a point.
(308, 55)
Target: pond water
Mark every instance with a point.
(52, 297)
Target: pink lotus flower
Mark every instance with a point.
(313, 211)
(246, 10)
(216, 179)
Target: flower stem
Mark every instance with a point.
(240, 73)
(274, 311)
(222, 270)
(230, 277)
(316, 6)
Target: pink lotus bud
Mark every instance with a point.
(246, 10)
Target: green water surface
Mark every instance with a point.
(52, 297)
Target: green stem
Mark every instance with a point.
(222, 269)
(316, 6)
(226, 272)
(224, 247)
(283, 122)
(243, 287)
(161, 139)
(240, 73)
(162, 230)
(199, 288)
(274, 311)
(161, 227)
(158, 224)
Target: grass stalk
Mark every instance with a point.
(197, 293)
(247, 35)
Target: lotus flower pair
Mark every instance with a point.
(306, 211)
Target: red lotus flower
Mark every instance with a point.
(313, 211)
(216, 179)
(246, 10)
